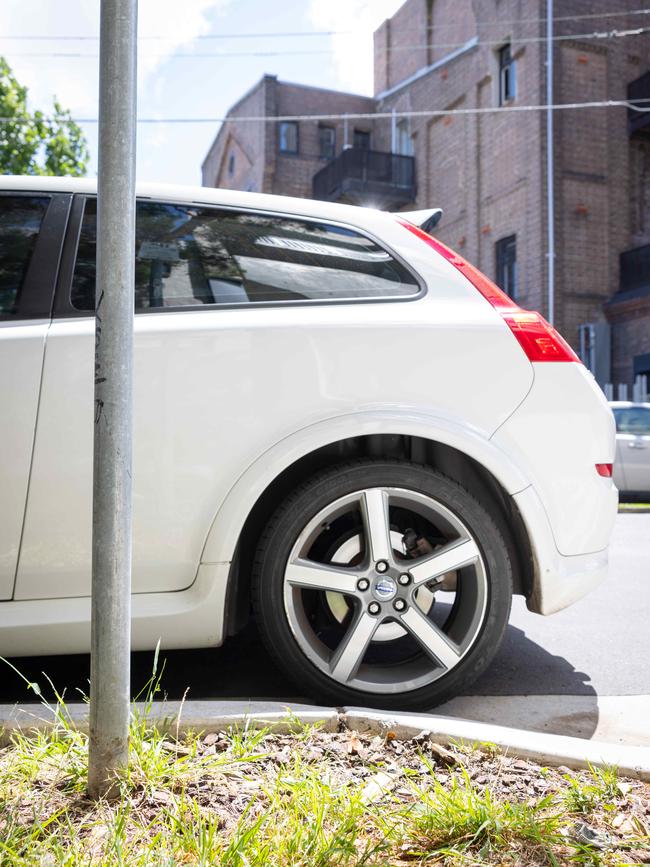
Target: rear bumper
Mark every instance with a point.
(556, 437)
(559, 580)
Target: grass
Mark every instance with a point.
(253, 798)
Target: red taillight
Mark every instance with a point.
(605, 470)
(539, 340)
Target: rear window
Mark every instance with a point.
(20, 222)
(192, 256)
(634, 420)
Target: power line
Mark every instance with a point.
(312, 33)
(607, 34)
(640, 105)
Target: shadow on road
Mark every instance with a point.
(523, 667)
(242, 669)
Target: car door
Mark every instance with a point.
(633, 446)
(31, 227)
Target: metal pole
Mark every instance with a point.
(111, 547)
(550, 187)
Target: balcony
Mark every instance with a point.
(635, 270)
(359, 176)
(639, 121)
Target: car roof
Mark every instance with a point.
(205, 195)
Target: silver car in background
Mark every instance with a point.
(632, 465)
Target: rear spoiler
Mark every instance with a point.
(426, 220)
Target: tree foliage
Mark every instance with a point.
(30, 142)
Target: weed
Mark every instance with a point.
(466, 819)
(601, 789)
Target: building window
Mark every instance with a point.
(362, 139)
(507, 78)
(288, 141)
(231, 165)
(506, 256)
(403, 142)
(327, 142)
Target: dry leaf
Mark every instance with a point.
(354, 745)
(378, 785)
(177, 748)
(442, 755)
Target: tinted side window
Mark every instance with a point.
(635, 420)
(187, 255)
(20, 222)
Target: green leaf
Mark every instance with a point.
(30, 142)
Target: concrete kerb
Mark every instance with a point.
(541, 747)
(216, 716)
(177, 716)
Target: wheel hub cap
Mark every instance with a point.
(384, 588)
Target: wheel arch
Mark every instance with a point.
(463, 455)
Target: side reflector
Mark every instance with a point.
(605, 470)
(539, 340)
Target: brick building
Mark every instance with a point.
(283, 157)
(488, 170)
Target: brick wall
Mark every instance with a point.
(294, 173)
(483, 170)
(245, 141)
(258, 164)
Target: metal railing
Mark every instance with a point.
(620, 391)
(364, 167)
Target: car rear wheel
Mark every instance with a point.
(382, 583)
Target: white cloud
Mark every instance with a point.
(74, 80)
(353, 51)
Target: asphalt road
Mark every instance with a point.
(552, 673)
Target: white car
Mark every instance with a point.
(632, 464)
(339, 424)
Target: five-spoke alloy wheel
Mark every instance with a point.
(382, 583)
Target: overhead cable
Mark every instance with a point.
(639, 105)
(311, 33)
(605, 34)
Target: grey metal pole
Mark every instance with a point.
(111, 546)
(550, 165)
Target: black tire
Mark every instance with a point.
(311, 498)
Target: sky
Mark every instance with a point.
(173, 79)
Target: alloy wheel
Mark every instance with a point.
(385, 590)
